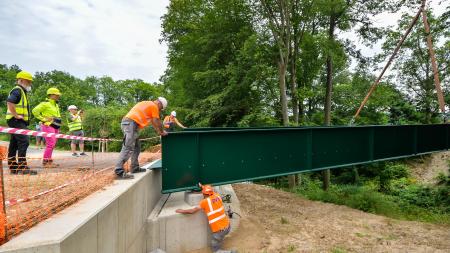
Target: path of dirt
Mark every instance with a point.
(277, 221)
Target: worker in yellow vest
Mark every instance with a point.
(48, 113)
(218, 220)
(75, 124)
(18, 116)
(170, 121)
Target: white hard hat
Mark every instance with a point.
(163, 102)
(173, 113)
(72, 107)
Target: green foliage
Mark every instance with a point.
(390, 172)
(404, 200)
(210, 45)
(368, 199)
(103, 100)
(414, 73)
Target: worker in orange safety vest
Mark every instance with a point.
(140, 116)
(170, 121)
(218, 220)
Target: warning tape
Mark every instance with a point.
(10, 130)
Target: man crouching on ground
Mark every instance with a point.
(218, 220)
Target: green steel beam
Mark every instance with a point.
(222, 156)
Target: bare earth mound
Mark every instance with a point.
(277, 221)
(426, 169)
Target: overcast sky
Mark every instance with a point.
(96, 38)
(84, 38)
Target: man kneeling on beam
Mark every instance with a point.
(218, 220)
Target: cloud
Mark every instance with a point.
(387, 19)
(84, 38)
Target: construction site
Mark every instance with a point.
(252, 184)
(78, 207)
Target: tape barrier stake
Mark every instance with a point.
(3, 225)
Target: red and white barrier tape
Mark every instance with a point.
(9, 130)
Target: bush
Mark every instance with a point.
(406, 200)
(389, 172)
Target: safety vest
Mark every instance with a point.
(143, 112)
(48, 109)
(168, 122)
(215, 212)
(22, 108)
(74, 123)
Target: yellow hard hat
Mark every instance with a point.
(24, 75)
(53, 91)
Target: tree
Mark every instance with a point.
(412, 67)
(212, 71)
(279, 16)
(343, 15)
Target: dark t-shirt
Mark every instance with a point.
(15, 96)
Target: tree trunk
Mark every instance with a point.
(329, 90)
(283, 98)
(294, 98)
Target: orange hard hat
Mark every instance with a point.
(207, 189)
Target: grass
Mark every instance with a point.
(408, 204)
(291, 248)
(338, 250)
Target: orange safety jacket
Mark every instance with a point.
(143, 113)
(215, 211)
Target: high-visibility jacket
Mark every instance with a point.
(23, 107)
(215, 211)
(143, 113)
(48, 109)
(74, 122)
(168, 121)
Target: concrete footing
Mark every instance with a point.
(130, 216)
(173, 232)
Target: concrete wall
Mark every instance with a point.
(109, 221)
(130, 216)
(174, 233)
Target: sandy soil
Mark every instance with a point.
(277, 221)
(427, 168)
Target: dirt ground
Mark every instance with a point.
(427, 168)
(277, 221)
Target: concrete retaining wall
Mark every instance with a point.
(109, 221)
(130, 216)
(174, 233)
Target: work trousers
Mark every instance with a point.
(18, 145)
(49, 141)
(131, 146)
(217, 240)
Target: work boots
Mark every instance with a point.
(25, 171)
(20, 169)
(48, 163)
